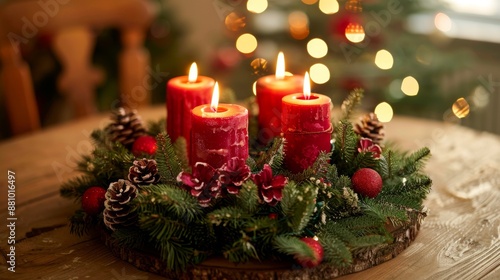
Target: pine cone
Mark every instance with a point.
(370, 127)
(117, 208)
(144, 172)
(126, 127)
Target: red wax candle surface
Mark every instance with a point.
(219, 136)
(307, 129)
(269, 92)
(182, 97)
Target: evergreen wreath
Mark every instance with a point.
(254, 209)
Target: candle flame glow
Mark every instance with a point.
(307, 86)
(280, 67)
(215, 98)
(193, 73)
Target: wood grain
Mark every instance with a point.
(459, 239)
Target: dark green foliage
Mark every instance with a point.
(297, 205)
(75, 187)
(169, 165)
(293, 246)
(344, 152)
(272, 156)
(81, 223)
(156, 127)
(181, 151)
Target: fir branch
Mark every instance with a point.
(248, 197)
(351, 102)
(297, 204)
(81, 223)
(384, 211)
(240, 251)
(111, 163)
(169, 165)
(100, 138)
(268, 155)
(132, 237)
(346, 142)
(293, 246)
(230, 216)
(413, 162)
(75, 187)
(168, 201)
(175, 253)
(318, 169)
(156, 127)
(334, 250)
(362, 225)
(364, 159)
(367, 242)
(181, 150)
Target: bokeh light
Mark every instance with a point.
(394, 90)
(317, 48)
(319, 73)
(354, 32)
(234, 21)
(442, 22)
(299, 25)
(328, 6)
(461, 108)
(353, 6)
(246, 43)
(384, 60)
(410, 86)
(257, 6)
(480, 97)
(259, 66)
(424, 55)
(384, 112)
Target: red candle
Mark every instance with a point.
(306, 127)
(270, 90)
(183, 94)
(219, 132)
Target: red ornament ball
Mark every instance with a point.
(144, 145)
(367, 182)
(93, 200)
(318, 253)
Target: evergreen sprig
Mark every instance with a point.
(351, 102)
(169, 165)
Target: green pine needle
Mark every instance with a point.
(351, 102)
(293, 246)
(169, 165)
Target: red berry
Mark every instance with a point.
(93, 200)
(273, 216)
(144, 145)
(318, 253)
(367, 182)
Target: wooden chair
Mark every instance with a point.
(73, 23)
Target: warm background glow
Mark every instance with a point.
(317, 48)
(384, 112)
(384, 60)
(409, 86)
(319, 73)
(246, 43)
(328, 6)
(257, 6)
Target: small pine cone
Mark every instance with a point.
(126, 127)
(370, 127)
(144, 172)
(117, 207)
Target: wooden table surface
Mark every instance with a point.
(458, 240)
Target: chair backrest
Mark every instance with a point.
(73, 23)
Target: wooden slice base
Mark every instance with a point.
(219, 268)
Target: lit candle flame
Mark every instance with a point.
(193, 73)
(307, 87)
(280, 67)
(215, 98)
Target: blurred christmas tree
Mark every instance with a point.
(345, 44)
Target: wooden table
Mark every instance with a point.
(459, 239)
